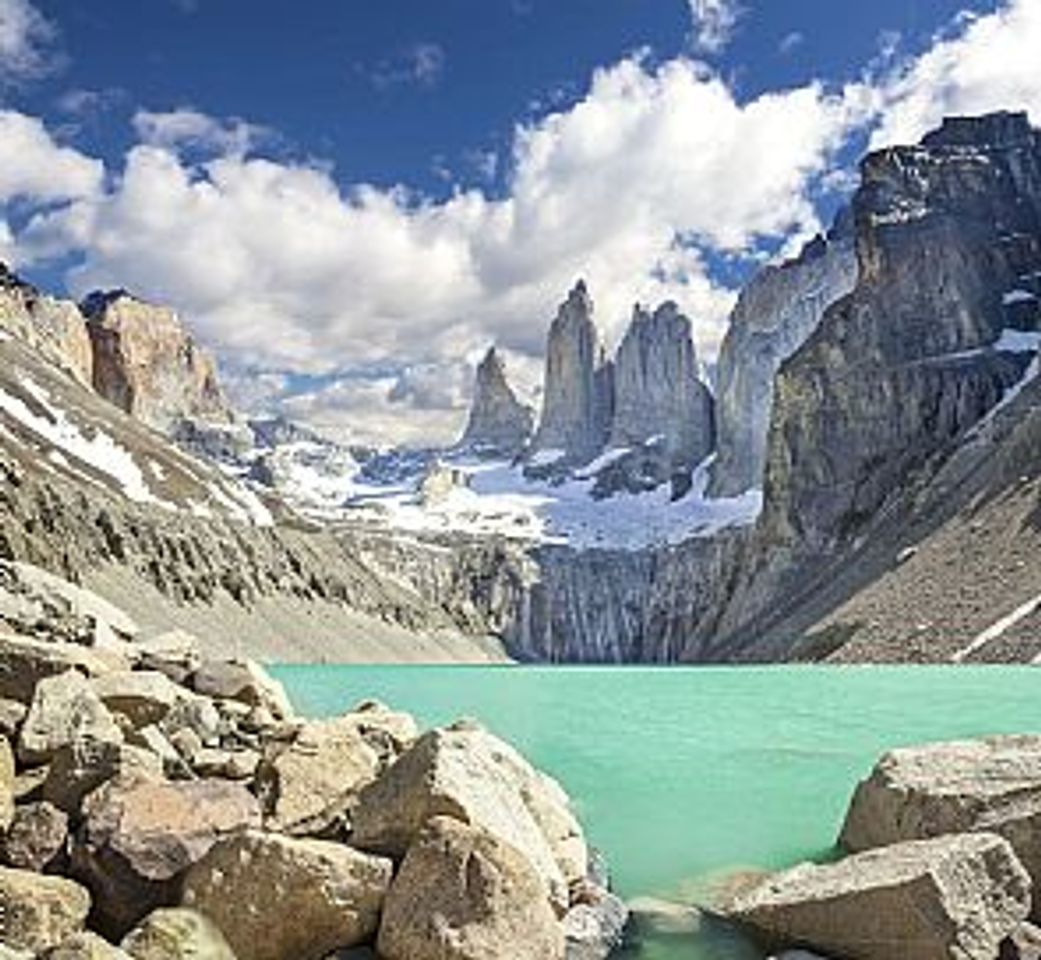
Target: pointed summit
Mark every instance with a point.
(499, 423)
(576, 412)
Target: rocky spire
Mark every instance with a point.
(499, 423)
(578, 400)
(658, 392)
(147, 364)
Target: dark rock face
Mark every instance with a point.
(948, 240)
(658, 393)
(499, 423)
(776, 312)
(577, 408)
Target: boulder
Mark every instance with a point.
(1024, 944)
(25, 661)
(38, 912)
(227, 764)
(142, 696)
(198, 715)
(85, 946)
(139, 836)
(7, 781)
(176, 933)
(467, 773)
(242, 680)
(36, 837)
(12, 715)
(388, 732)
(596, 925)
(83, 765)
(463, 894)
(64, 708)
(991, 784)
(274, 897)
(955, 896)
(176, 653)
(310, 783)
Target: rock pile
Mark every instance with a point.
(943, 861)
(176, 806)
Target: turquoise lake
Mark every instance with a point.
(682, 775)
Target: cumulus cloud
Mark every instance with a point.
(714, 23)
(34, 167)
(985, 63)
(26, 42)
(188, 128)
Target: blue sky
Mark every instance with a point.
(350, 200)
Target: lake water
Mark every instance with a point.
(682, 775)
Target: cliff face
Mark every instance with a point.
(776, 312)
(947, 235)
(499, 424)
(658, 393)
(577, 401)
(147, 364)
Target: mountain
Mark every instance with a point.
(498, 424)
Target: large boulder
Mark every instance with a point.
(38, 912)
(245, 681)
(176, 933)
(64, 707)
(84, 764)
(36, 838)
(85, 946)
(139, 836)
(597, 924)
(143, 697)
(25, 661)
(275, 897)
(991, 784)
(463, 894)
(952, 898)
(175, 653)
(388, 732)
(311, 782)
(466, 773)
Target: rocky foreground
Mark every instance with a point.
(155, 804)
(944, 862)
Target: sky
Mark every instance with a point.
(349, 201)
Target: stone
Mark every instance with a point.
(199, 715)
(187, 743)
(85, 946)
(658, 388)
(36, 838)
(467, 773)
(388, 732)
(64, 708)
(140, 836)
(25, 661)
(310, 783)
(152, 739)
(177, 933)
(595, 927)
(275, 897)
(37, 911)
(147, 364)
(7, 782)
(175, 653)
(578, 396)
(12, 715)
(142, 696)
(774, 316)
(226, 764)
(83, 765)
(498, 423)
(959, 895)
(245, 681)
(464, 894)
(1023, 944)
(991, 784)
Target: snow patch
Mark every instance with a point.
(1018, 296)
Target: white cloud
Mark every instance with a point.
(990, 62)
(714, 23)
(33, 166)
(188, 128)
(421, 64)
(26, 38)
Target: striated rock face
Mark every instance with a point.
(948, 239)
(55, 328)
(499, 423)
(148, 365)
(657, 388)
(776, 312)
(577, 403)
